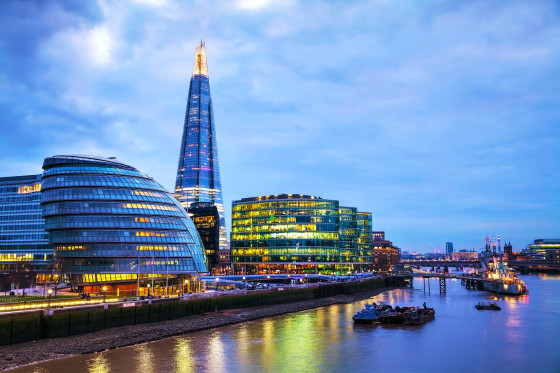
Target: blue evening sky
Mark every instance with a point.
(442, 118)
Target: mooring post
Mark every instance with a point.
(442, 285)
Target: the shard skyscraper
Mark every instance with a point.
(198, 174)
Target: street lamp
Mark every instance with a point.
(104, 293)
(245, 282)
(50, 292)
(148, 289)
(217, 279)
(268, 280)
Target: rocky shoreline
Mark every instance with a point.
(17, 355)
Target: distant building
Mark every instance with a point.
(465, 255)
(385, 254)
(449, 247)
(206, 218)
(544, 250)
(508, 249)
(224, 262)
(378, 236)
(295, 233)
(115, 227)
(25, 253)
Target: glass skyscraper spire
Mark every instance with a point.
(198, 173)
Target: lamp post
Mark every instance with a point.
(217, 279)
(268, 281)
(50, 292)
(104, 293)
(245, 282)
(148, 289)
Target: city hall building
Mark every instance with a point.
(113, 227)
(296, 233)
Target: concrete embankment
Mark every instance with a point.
(148, 329)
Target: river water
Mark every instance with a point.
(523, 337)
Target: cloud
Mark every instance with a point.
(439, 117)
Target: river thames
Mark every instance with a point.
(523, 337)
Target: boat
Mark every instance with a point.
(503, 280)
(408, 315)
(370, 313)
(487, 306)
(419, 316)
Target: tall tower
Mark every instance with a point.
(198, 173)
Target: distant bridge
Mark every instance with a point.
(441, 263)
(532, 265)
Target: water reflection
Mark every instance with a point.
(98, 364)
(215, 356)
(184, 361)
(144, 358)
(326, 339)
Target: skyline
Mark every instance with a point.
(441, 119)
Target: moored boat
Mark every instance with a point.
(503, 280)
(408, 315)
(487, 306)
(370, 313)
(419, 316)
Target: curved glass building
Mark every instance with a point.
(294, 233)
(113, 226)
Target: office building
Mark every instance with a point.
(544, 250)
(385, 254)
(25, 254)
(112, 226)
(295, 233)
(206, 219)
(378, 235)
(449, 247)
(198, 173)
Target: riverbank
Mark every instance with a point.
(47, 349)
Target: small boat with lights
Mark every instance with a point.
(487, 306)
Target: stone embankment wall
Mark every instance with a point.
(16, 327)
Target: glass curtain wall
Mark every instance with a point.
(111, 225)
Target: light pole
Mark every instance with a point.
(245, 282)
(104, 293)
(148, 289)
(268, 281)
(50, 292)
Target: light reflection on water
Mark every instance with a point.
(524, 336)
(98, 364)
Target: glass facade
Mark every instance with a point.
(23, 241)
(364, 239)
(198, 173)
(106, 218)
(544, 250)
(294, 233)
(206, 219)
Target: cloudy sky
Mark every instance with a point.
(442, 118)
